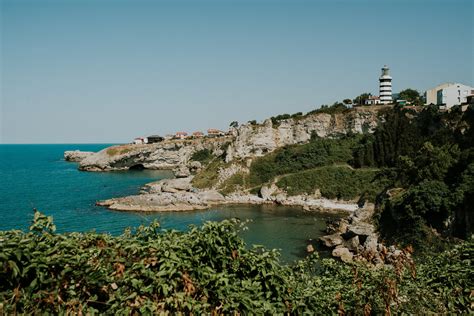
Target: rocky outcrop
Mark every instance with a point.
(166, 195)
(77, 155)
(245, 142)
(160, 156)
(178, 194)
(354, 238)
(257, 140)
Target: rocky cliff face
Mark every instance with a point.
(248, 141)
(77, 155)
(257, 140)
(165, 155)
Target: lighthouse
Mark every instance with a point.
(385, 86)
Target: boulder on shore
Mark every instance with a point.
(331, 240)
(343, 253)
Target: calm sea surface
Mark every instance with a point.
(36, 176)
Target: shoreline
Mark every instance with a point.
(178, 194)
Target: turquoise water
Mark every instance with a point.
(36, 176)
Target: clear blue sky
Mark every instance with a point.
(110, 70)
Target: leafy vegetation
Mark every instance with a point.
(234, 183)
(209, 176)
(289, 159)
(360, 100)
(412, 96)
(339, 182)
(337, 107)
(203, 156)
(118, 150)
(210, 270)
(430, 156)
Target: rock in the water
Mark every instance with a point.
(331, 240)
(343, 253)
(76, 155)
(309, 248)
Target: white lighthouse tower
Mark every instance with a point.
(385, 86)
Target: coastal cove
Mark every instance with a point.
(36, 176)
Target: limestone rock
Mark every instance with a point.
(331, 240)
(211, 196)
(182, 172)
(174, 185)
(257, 140)
(343, 253)
(77, 155)
(370, 244)
(195, 166)
(352, 244)
(267, 191)
(361, 229)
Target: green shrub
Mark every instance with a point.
(235, 182)
(289, 159)
(209, 270)
(339, 182)
(203, 156)
(209, 176)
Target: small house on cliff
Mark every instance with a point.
(155, 139)
(212, 132)
(180, 135)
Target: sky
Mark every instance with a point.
(107, 71)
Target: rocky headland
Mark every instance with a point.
(351, 238)
(179, 195)
(246, 142)
(77, 155)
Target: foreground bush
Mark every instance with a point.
(209, 270)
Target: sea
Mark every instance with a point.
(38, 177)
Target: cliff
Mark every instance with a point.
(248, 141)
(258, 140)
(160, 156)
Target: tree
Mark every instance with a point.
(361, 98)
(234, 124)
(347, 101)
(412, 96)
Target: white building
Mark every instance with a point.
(140, 140)
(448, 94)
(372, 100)
(385, 86)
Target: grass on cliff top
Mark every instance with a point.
(334, 182)
(118, 150)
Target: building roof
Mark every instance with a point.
(213, 130)
(181, 133)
